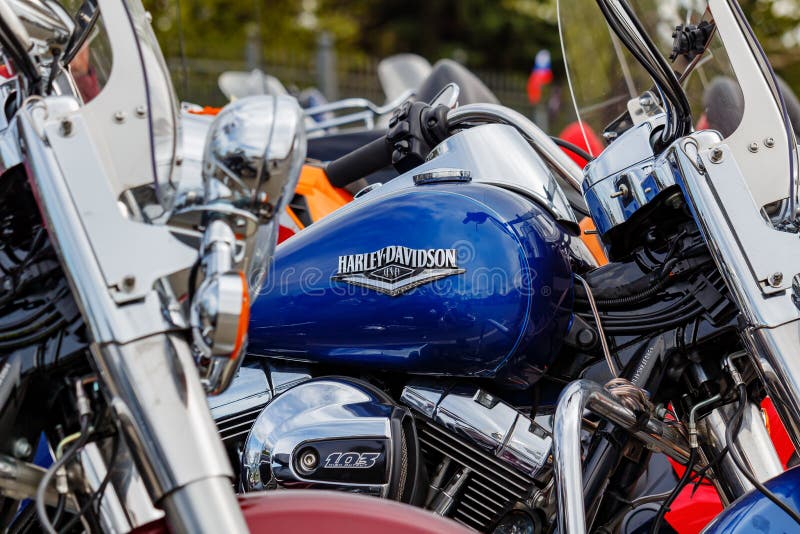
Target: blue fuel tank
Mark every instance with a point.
(755, 512)
(459, 279)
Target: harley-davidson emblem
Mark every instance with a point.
(395, 270)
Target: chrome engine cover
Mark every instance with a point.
(467, 454)
(484, 457)
(489, 423)
(333, 433)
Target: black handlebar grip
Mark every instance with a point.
(359, 163)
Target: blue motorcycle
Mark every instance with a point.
(448, 340)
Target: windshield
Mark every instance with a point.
(121, 79)
(607, 82)
(724, 75)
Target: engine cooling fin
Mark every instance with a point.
(236, 427)
(490, 486)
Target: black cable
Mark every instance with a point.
(96, 498)
(41, 490)
(33, 338)
(24, 522)
(687, 474)
(21, 60)
(34, 324)
(660, 71)
(684, 480)
(40, 310)
(683, 307)
(732, 429)
(621, 325)
(700, 475)
(194, 272)
(62, 501)
(572, 148)
(48, 88)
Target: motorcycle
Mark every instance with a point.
(121, 310)
(448, 341)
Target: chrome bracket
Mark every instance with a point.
(773, 255)
(131, 255)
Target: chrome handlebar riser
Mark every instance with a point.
(219, 307)
(217, 249)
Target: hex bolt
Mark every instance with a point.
(753, 147)
(65, 128)
(769, 142)
(22, 448)
(621, 192)
(119, 117)
(128, 283)
(775, 279)
(308, 460)
(141, 111)
(717, 155)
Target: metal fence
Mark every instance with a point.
(196, 78)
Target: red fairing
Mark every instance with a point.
(332, 513)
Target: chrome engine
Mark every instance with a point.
(460, 452)
(484, 457)
(334, 433)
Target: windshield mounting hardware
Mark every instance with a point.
(690, 40)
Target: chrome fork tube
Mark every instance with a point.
(752, 443)
(160, 403)
(774, 351)
(148, 375)
(581, 395)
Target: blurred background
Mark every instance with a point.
(335, 45)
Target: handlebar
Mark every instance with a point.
(361, 162)
(378, 154)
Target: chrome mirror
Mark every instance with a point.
(254, 151)
(253, 154)
(46, 22)
(448, 96)
(252, 159)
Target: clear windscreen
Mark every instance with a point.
(128, 80)
(164, 123)
(606, 81)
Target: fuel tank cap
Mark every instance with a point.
(442, 175)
